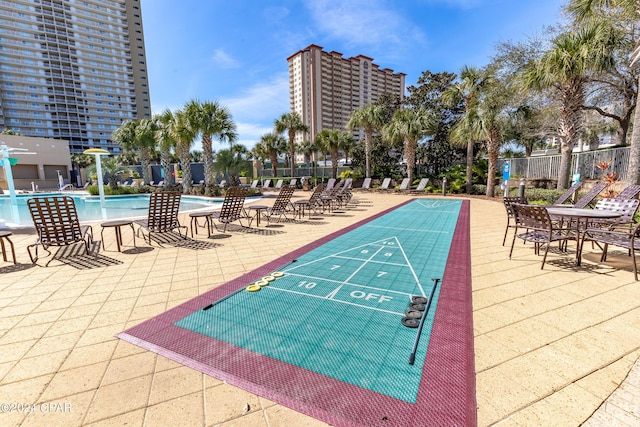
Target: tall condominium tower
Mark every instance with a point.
(72, 69)
(325, 87)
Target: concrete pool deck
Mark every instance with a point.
(552, 346)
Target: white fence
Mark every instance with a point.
(548, 167)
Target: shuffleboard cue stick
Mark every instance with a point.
(412, 357)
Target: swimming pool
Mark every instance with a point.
(128, 206)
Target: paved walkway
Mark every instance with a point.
(552, 347)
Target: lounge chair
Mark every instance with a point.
(331, 183)
(56, 222)
(254, 183)
(385, 184)
(568, 194)
(278, 185)
(280, 207)
(162, 216)
(630, 192)
(590, 196)
(293, 182)
(313, 203)
(266, 184)
(421, 186)
(232, 208)
(366, 184)
(405, 185)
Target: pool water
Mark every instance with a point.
(129, 206)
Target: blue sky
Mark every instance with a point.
(235, 51)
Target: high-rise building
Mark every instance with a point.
(326, 88)
(72, 69)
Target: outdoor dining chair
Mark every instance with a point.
(538, 229)
(508, 202)
(56, 222)
(620, 237)
(162, 216)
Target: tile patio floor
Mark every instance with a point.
(552, 347)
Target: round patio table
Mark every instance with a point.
(581, 217)
(117, 225)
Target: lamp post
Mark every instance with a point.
(99, 152)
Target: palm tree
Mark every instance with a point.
(564, 69)
(347, 144)
(145, 137)
(292, 123)
(371, 118)
(183, 134)
(585, 9)
(270, 146)
(166, 143)
(409, 125)
(330, 141)
(467, 91)
(211, 119)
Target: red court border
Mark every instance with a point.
(446, 396)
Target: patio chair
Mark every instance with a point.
(590, 195)
(568, 194)
(508, 202)
(539, 229)
(627, 209)
(421, 186)
(405, 185)
(254, 183)
(280, 206)
(162, 216)
(366, 184)
(330, 183)
(266, 184)
(313, 203)
(232, 208)
(385, 184)
(56, 222)
(630, 192)
(293, 183)
(620, 237)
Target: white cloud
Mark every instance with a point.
(263, 101)
(364, 22)
(224, 60)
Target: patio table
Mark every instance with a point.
(581, 218)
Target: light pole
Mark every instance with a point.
(99, 152)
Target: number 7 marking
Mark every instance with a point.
(335, 267)
(381, 273)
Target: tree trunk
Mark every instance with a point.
(368, 135)
(493, 151)
(274, 164)
(410, 152)
(144, 163)
(207, 154)
(185, 165)
(633, 171)
(334, 163)
(292, 152)
(469, 166)
(165, 159)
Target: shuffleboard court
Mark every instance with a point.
(329, 317)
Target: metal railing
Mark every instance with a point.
(548, 167)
